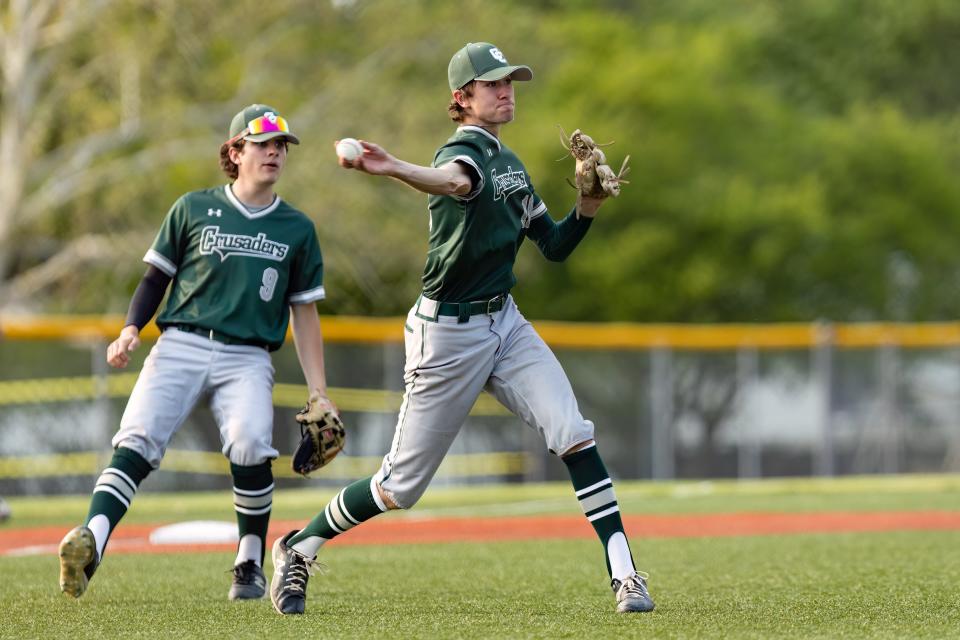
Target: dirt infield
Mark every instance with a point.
(405, 530)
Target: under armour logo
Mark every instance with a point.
(498, 55)
(213, 212)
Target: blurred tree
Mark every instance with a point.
(32, 36)
(745, 204)
(784, 155)
(110, 109)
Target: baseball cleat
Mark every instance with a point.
(632, 594)
(78, 560)
(288, 589)
(249, 582)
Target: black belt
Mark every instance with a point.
(463, 310)
(219, 337)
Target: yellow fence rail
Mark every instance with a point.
(575, 335)
(214, 463)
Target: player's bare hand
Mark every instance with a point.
(118, 353)
(587, 206)
(374, 160)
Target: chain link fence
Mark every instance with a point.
(668, 402)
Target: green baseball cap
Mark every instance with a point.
(260, 122)
(482, 61)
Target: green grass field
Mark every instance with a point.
(870, 585)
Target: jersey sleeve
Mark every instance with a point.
(166, 251)
(306, 279)
(471, 157)
(557, 240)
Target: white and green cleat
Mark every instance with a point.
(78, 561)
(249, 582)
(632, 595)
(288, 589)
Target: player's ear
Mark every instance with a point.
(461, 98)
(234, 154)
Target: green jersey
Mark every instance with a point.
(234, 271)
(474, 239)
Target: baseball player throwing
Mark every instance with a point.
(242, 263)
(464, 334)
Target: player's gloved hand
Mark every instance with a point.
(587, 206)
(322, 435)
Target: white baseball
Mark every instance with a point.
(349, 149)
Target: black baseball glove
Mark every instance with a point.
(323, 435)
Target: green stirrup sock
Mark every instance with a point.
(594, 490)
(353, 505)
(114, 491)
(252, 500)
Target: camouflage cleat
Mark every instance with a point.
(288, 589)
(249, 582)
(78, 561)
(632, 594)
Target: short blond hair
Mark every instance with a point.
(454, 110)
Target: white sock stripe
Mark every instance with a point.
(121, 474)
(253, 512)
(254, 492)
(334, 510)
(598, 500)
(260, 501)
(603, 513)
(117, 484)
(343, 509)
(594, 486)
(116, 494)
(330, 520)
(376, 495)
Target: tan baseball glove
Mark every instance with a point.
(322, 435)
(593, 176)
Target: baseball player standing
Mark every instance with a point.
(464, 334)
(242, 263)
